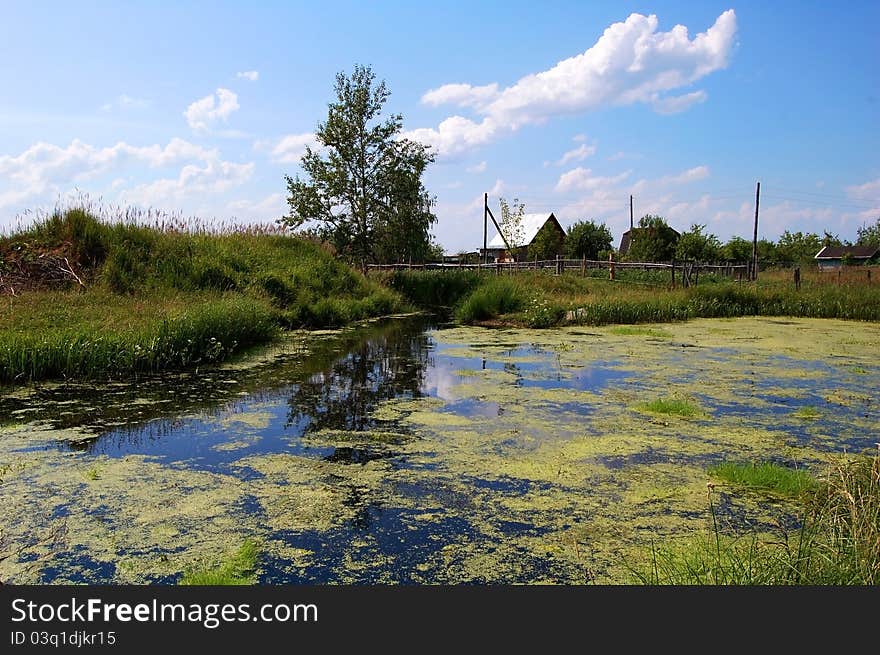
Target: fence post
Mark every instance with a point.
(797, 278)
(611, 266)
(584, 266)
(673, 273)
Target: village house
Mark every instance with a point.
(833, 257)
(529, 227)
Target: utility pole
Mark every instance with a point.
(630, 216)
(755, 237)
(485, 227)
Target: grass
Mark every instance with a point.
(93, 473)
(672, 407)
(493, 298)
(572, 299)
(237, 569)
(765, 477)
(632, 330)
(83, 296)
(838, 542)
(808, 413)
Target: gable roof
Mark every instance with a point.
(838, 252)
(531, 225)
(627, 237)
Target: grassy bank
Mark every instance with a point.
(87, 297)
(838, 542)
(538, 299)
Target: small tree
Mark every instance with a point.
(587, 239)
(653, 241)
(869, 235)
(363, 188)
(511, 224)
(696, 246)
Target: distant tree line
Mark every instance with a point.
(655, 241)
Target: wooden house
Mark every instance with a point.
(833, 257)
(529, 227)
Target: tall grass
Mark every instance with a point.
(491, 299)
(236, 569)
(239, 286)
(207, 333)
(442, 288)
(765, 477)
(838, 542)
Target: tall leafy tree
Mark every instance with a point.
(586, 239)
(737, 249)
(652, 241)
(698, 246)
(869, 235)
(363, 186)
(798, 247)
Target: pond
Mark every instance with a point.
(405, 451)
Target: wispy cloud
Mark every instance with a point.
(253, 76)
(289, 148)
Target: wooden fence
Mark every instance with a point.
(685, 271)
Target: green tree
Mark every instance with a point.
(587, 239)
(548, 243)
(511, 224)
(652, 241)
(697, 246)
(869, 235)
(768, 252)
(737, 249)
(831, 240)
(363, 187)
(798, 247)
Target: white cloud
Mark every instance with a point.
(455, 135)
(463, 95)
(477, 168)
(44, 171)
(583, 179)
(677, 104)
(289, 148)
(45, 167)
(206, 112)
(690, 175)
(867, 191)
(631, 62)
(216, 176)
(253, 76)
(577, 154)
(268, 209)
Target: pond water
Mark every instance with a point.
(405, 451)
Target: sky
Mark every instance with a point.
(201, 109)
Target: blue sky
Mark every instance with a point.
(202, 108)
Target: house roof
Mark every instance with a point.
(626, 238)
(838, 252)
(531, 225)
